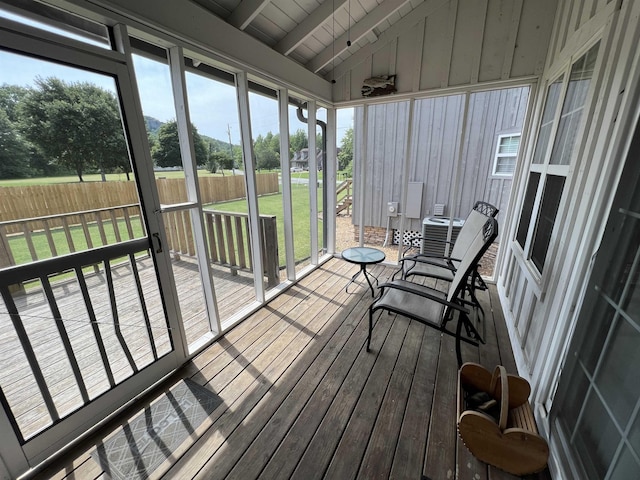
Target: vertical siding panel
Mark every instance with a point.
(494, 41)
(467, 44)
(436, 28)
(533, 37)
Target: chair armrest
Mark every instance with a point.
(407, 288)
(431, 260)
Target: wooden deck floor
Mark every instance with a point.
(303, 399)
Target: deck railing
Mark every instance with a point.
(39, 238)
(227, 239)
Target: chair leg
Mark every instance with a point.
(458, 333)
(370, 329)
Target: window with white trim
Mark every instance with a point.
(559, 127)
(506, 155)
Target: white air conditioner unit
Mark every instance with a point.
(434, 234)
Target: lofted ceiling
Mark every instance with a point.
(317, 34)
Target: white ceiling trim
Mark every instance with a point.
(357, 32)
(406, 23)
(309, 25)
(246, 11)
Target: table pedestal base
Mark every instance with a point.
(363, 271)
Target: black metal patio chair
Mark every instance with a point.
(436, 308)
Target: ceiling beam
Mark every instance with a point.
(245, 12)
(358, 31)
(406, 23)
(309, 25)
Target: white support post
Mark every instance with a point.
(363, 173)
(329, 170)
(242, 89)
(457, 169)
(283, 110)
(405, 174)
(185, 135)
(313, 179)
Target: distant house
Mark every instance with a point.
(300, 160)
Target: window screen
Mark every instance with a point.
(527, 208)
(546, 219)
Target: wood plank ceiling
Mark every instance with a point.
(317, 34)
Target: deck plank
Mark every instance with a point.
(302, 398)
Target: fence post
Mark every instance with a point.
(270, 250)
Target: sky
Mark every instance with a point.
(212, 105)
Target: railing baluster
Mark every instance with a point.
(230, 241)
(220, 237)
(6, 257)
(127, 222)
(94, 325)
(47, 232)
(143, 305)
(242, 258)
(64, 336)
(191, 246)
(14, 315)
(116, 227)
(116, 317)
(246, 229)
(67, 233)
(211, 233)
(85, 229)
(103, 235)
(29, 239)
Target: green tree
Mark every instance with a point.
(345, 157)
(297, 141)
(219, 160)
(77, 125)
(14, 151)
(166, 152)
(267, 151)
(10, 98)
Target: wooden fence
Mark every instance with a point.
(30, 202)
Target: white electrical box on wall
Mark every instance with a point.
(392, 209)
(413, 208)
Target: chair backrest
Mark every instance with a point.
(486, 208)
(472, 225)
(481, 242)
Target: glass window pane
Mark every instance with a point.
(527, 207)
(597, 438)
(575, 396)
(591, 349)
(619, 267)
(61, 22)
(626, 467)
(505, 165)
(553, 96)
(618, 383)
(321, 115)
(265, 128)
(579, 81)
(156, 95)
(634, 435)
(214, 115)
(546, 219)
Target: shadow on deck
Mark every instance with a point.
(301, 397)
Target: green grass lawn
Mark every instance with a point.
(272, 205)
